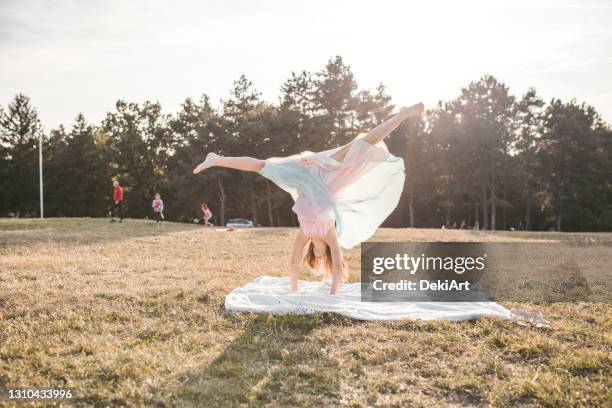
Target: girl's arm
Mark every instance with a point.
(331, 239)
(296, 259)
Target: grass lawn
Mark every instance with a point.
(129, 315)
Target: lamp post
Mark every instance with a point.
(40, 175)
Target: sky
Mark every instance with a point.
(72, 56)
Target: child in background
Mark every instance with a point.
(158, 209)
(206, 214)
(117, 201)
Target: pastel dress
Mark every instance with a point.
(354, 195)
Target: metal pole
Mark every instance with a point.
(40, 175)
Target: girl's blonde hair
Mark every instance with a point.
(323, 267)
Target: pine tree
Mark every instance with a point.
(486, 112)
(196, 130)
(20, 131)
(78, 172)
(241, 111)
(576, 169)
(136, 152)
(529, 116)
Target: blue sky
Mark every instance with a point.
(81, 56)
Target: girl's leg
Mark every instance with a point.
(383, 130)
(238, 163)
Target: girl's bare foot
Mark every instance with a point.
(414, 110)
(209, 162)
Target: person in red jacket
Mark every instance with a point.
(117, 201)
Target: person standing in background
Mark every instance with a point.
(117, 201)
(158, 209)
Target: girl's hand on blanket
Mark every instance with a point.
(331, 239)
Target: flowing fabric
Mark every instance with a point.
(358, 192)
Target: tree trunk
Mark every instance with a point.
(559, 209)
(485, 208)
(21, 186)
(411, 208)
(221, 201)
(505, 213)
(269, 200)
(447, 215)
(527, 207)
(493, 205)
(558, 193)
(253, 201)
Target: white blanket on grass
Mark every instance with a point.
(268, 294)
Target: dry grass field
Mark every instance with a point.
(129, 315)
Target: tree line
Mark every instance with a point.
(485, 157)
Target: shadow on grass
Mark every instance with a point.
(274, 361)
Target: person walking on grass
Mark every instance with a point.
(158, 209)
(117, 201)
(341, 195)
(206, 215)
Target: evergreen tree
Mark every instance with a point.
(485, 110)
(136, 153)
(335, 105)
(482, 157)
(196, 130)
(20, 131)
(574, 150)
(77, 172)
(372, 109)
(241, 112)
(529, 116)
